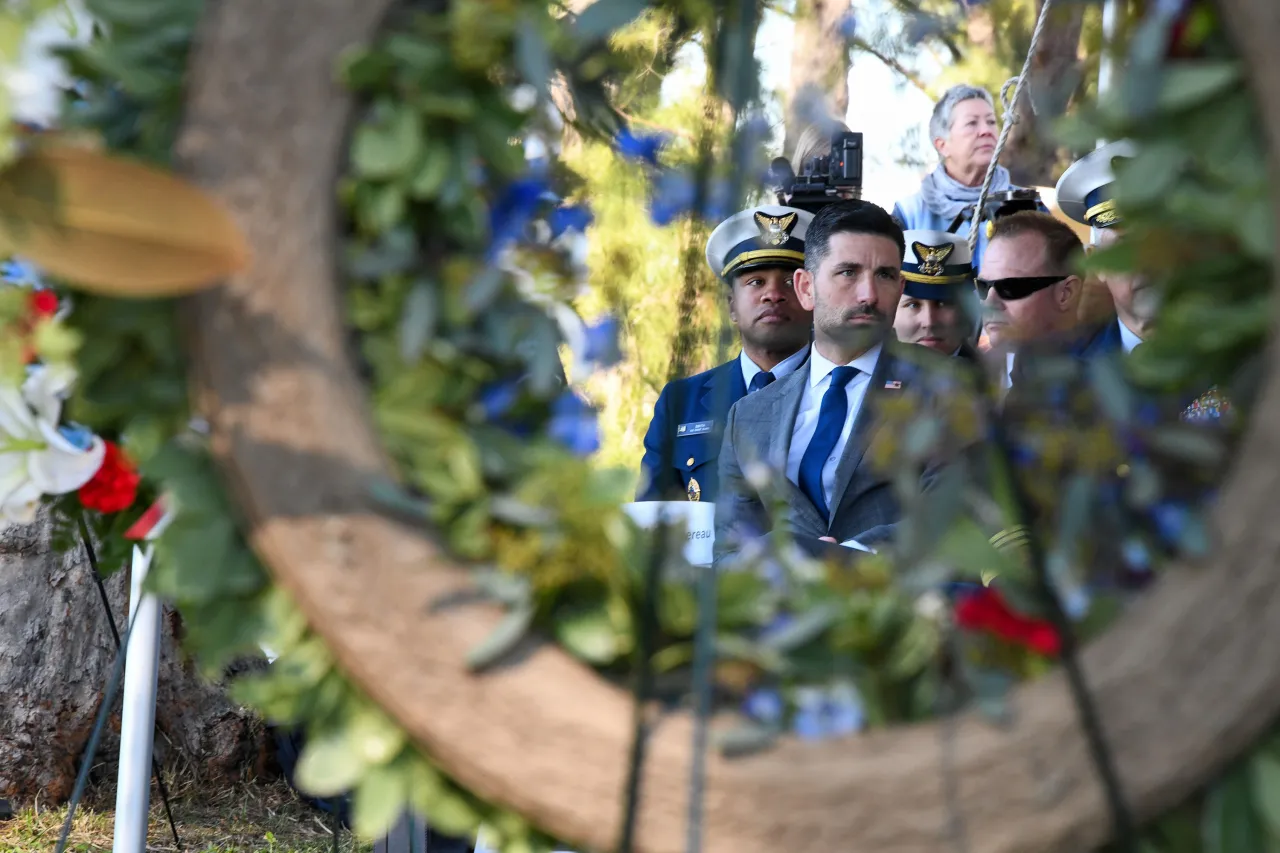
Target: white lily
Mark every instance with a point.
(37, 458)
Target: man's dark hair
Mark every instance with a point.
(1063, 250)
(848, 217)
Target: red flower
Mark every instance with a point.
(987, 611)
(44, 303)
(115, 487)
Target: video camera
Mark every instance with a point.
(824, 178)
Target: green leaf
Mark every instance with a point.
(1187, 84)
(742, 599)
(735, 647)
(450, 813)
(511, 590)
(431, 173)
(329, 765)
(510, 631)
(379, 800)
(588, 633)
(363, 69)
(1230, 822)
(389, 147)
(1264, 773)
(603, 17)
(374, 735)
(418, 322)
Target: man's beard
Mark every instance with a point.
(839, 327)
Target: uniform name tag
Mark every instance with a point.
(695, 428)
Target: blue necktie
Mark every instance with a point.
(760, 380)
(831, 415)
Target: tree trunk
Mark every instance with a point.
(56, 655)
(1030, 155)
(819, 67)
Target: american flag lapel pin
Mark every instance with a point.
(893, 385)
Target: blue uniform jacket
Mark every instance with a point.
(1103, 341)
(682, 446)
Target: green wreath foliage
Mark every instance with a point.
(544, 525)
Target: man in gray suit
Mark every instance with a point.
(815, 424)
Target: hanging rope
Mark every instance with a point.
(1010, 104)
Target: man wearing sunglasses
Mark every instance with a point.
(1028, 284)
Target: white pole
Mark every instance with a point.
(138, 714)
(1106, 64)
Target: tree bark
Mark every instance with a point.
(819, 66)
(1055, 76)
(56, 655)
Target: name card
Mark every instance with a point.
(699, 521)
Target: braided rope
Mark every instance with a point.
(1010, 103)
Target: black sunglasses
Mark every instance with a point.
(1016, 288)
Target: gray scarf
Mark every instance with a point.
(946, 197)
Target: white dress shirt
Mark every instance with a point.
(1006, 378)
(1128, 339)
(787, 366)
(811, 403)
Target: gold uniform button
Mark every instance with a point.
(689, 461)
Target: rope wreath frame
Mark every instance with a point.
(1180, 684)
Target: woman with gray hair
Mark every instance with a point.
(964, 130)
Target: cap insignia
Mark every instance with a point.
(932, 258)
(775, 230)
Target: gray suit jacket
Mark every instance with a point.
(759, 429)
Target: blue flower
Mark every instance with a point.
(673, 196)
(1171, 520)
(512, 211)
(81, 438)
(809, 723)
(834, 712)
(780, 622)
(573, 424)
(496, 399)
(602, 343)
(763, 705)
(848, 26)
(1075, 602)
(959, 589)
(19, 272)
(577, 217)
(843, 710)
(643, 147)
(1135, 554)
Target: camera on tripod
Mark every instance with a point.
(823, 178)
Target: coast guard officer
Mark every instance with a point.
(1085, 194)
(937, 273)
(755, 252)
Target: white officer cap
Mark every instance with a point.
(937, 265)
(1085, 191)
(766, 236)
